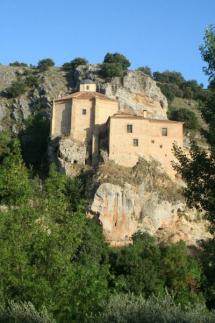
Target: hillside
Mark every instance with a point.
(24, 112)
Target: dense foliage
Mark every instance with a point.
(44, 64)
(173, 85)
(184, 115)
(113, 65)
(71, 66)
(146, 70)
(198, 170)
(129, 308)
(55, 258)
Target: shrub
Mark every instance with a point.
(117, 58)
(45, 64)
(187, 116)
(71, 66)
(146, 70)
(114, 65)
(129, 308)
(110, 70)
(24, 313)
(16, 63)
(16, 89)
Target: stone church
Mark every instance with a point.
(95, 123)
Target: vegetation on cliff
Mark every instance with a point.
(55, 258)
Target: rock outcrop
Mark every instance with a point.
(135, 91)
(146, 201)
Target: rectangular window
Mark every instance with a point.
(135, 142)
(164, 131)
(129, 128)
(84, 111)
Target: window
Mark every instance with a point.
(87, 87)
(135, 142)
(164, 131)
(129, 128)
(84, 111)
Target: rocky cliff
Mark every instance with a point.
(135, 91)
(123, 200)
(142, 198)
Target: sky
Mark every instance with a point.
(162, 34)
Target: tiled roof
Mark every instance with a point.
(123, 115)
(84, 95)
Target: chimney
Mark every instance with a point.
(145, 113)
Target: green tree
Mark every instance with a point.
(71, 66)
(137, 309)
(198, 170)
(16, 89)
(187, 116)
(146, 70)
(44, 64)
(114, 65)
(208, 51)
(110, 70)
(182, 273)
(15, 187)
(50, 253)
(16, 63)
(117, 58)
(34, 142)
(137, 267)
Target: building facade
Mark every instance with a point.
(91, 118)
(131, 137)
(83, 116)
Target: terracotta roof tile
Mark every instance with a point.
(123, 115)
(84, 95)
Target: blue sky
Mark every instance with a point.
(163, 34)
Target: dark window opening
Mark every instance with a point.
(87, 87)
(75, 162)
(129, 128)
(135, 142)
(84, 111)
(152, 141)
(164, 131)
(161, 146)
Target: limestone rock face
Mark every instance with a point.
(135, 92)
(124, 211)
(68, 154)
(141, 200)
(117, 208)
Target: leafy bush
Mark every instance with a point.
(146, 70)
(173, 84)
(109, 70)
(16, 89)
(14, 178)
(114, 65)
(34, 141)
(45, 64)
(187, 116)
(24, 313)
(16, 63)
(71, 66)
(145, 268)
(129, 308)
(117, 58)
